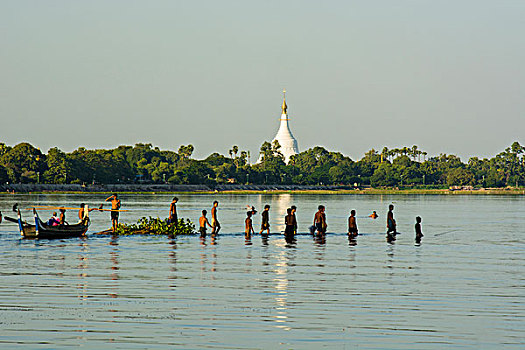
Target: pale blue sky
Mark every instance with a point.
(448, 76)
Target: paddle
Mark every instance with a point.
(48, 207)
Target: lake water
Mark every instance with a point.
(462, 287)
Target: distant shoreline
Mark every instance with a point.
(242, 189)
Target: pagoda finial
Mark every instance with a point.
(284, 107)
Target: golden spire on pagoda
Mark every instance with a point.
(284, 107)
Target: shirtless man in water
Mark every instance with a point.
(352, 224)
(115, 206)
(390, 222)
(320, 220)
(173, 219)
(216, 227)
(203, 221)
(248, 224)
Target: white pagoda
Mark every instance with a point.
(284, 135)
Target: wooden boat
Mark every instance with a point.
(41, 229)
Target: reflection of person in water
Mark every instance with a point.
(373, 215)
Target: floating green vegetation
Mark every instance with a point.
(157, 226)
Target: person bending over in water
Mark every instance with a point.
(352, 224)
(373, 215)
(115, 206)
(248, 224)
(216, 227)
(390, 222)
(265, 220)
(173, 219)
(320, 220)
(294, 209)
(417, 227)
(203, 221)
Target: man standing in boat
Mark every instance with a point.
(115, 206)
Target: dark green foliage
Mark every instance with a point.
(156, 226)
(144, 163)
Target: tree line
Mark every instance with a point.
(144, 163)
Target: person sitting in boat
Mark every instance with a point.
(53, 221)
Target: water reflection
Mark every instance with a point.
(320, 239)
(247, 239)
(390, 256)
(281, 288)
(290, 240)
(281, 203)
(264, 239)
(113, 257)
(173, 262)
(83, 266)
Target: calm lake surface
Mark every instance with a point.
(462, 287)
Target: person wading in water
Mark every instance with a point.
(203, 221)
(248, 225)
(352, 225)
(173, 219)
(265, 220)
(115, 206)
(391, 222)
(294, 209)
(216, 227)
(320, 220)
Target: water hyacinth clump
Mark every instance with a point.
(157, 226)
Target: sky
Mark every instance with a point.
(447, 76)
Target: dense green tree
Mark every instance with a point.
(58, 167)
(403, 166)
(23, 163)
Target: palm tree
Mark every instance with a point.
(235, 149)
(414, 152)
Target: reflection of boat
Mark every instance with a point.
(42, 230)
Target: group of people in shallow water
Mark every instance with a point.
(115, 208)
(319, 226)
